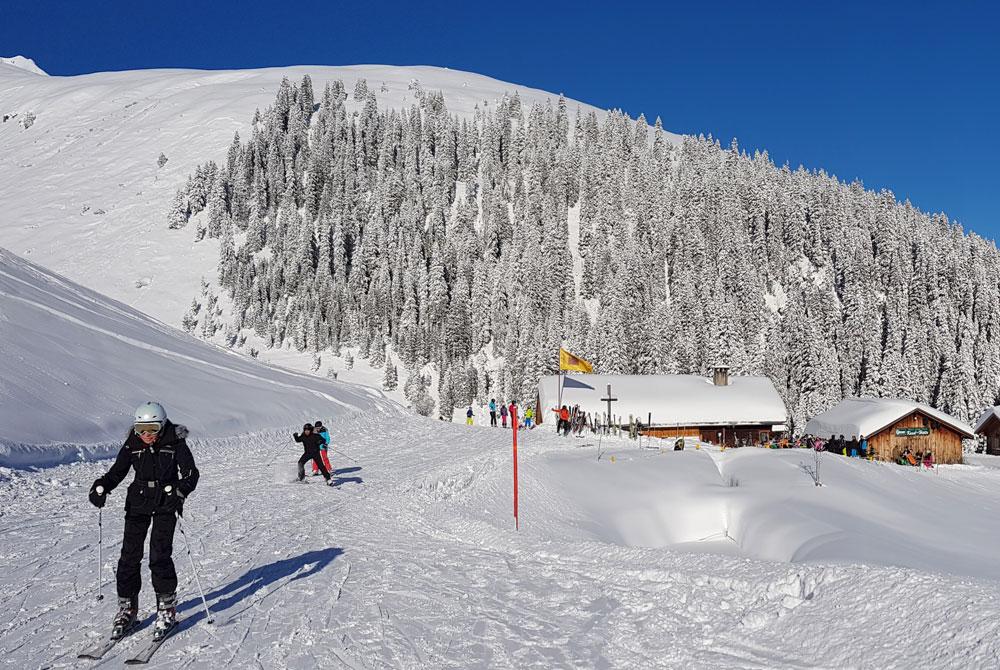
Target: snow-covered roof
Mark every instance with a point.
(688, 400)
(985, 416)
(866, 416)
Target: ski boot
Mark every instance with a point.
(166, 615)
(127, 617)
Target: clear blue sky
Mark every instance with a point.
(902, 95)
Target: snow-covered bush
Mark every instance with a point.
(424, 405)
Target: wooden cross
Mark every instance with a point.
(609, 400)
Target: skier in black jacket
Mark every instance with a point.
(165, 474)
(311, 443)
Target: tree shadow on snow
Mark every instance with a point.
(257, 580)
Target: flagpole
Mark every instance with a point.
(561, 375)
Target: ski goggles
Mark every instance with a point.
(147, 428)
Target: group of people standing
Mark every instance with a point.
(854, 448)
(506, 412)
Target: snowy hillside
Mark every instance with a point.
(74, 364)
(84, 194)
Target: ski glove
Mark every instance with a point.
(98, 499)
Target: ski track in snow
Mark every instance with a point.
(412, 562)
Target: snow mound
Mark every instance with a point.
(763, 504)
(74, 364)
(22, 63)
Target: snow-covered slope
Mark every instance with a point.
(413, 562)
(82, 192)
(639, 558)
(74, 364)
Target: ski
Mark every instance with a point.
(97, 652)
(143, 656)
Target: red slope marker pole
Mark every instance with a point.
(513, 417)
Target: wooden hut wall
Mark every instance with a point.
(991, 431)
(943, 442)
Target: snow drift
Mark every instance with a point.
(75, 363)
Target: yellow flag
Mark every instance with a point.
(568, 361)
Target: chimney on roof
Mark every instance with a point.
(721, 375)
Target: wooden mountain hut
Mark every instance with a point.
(891, 425)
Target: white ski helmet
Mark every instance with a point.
(150, 412)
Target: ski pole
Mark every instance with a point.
(277, 453)
(342, 454)
(194, 569)
(100, 549)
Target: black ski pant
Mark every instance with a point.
(161, 547)
(315, 458)
(493, 418)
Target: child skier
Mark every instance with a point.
(325, 436)
(529, 415)
(468, 416)
(503, 415)
(165, 474)
(311, 443)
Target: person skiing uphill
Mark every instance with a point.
(165, 474)
(311, 445)
(324, 435)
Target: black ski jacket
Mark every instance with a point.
(311, 442)
(169, 461)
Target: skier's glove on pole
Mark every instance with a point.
(98, 494)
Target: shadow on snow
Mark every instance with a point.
(259, 579)
(338, 479)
